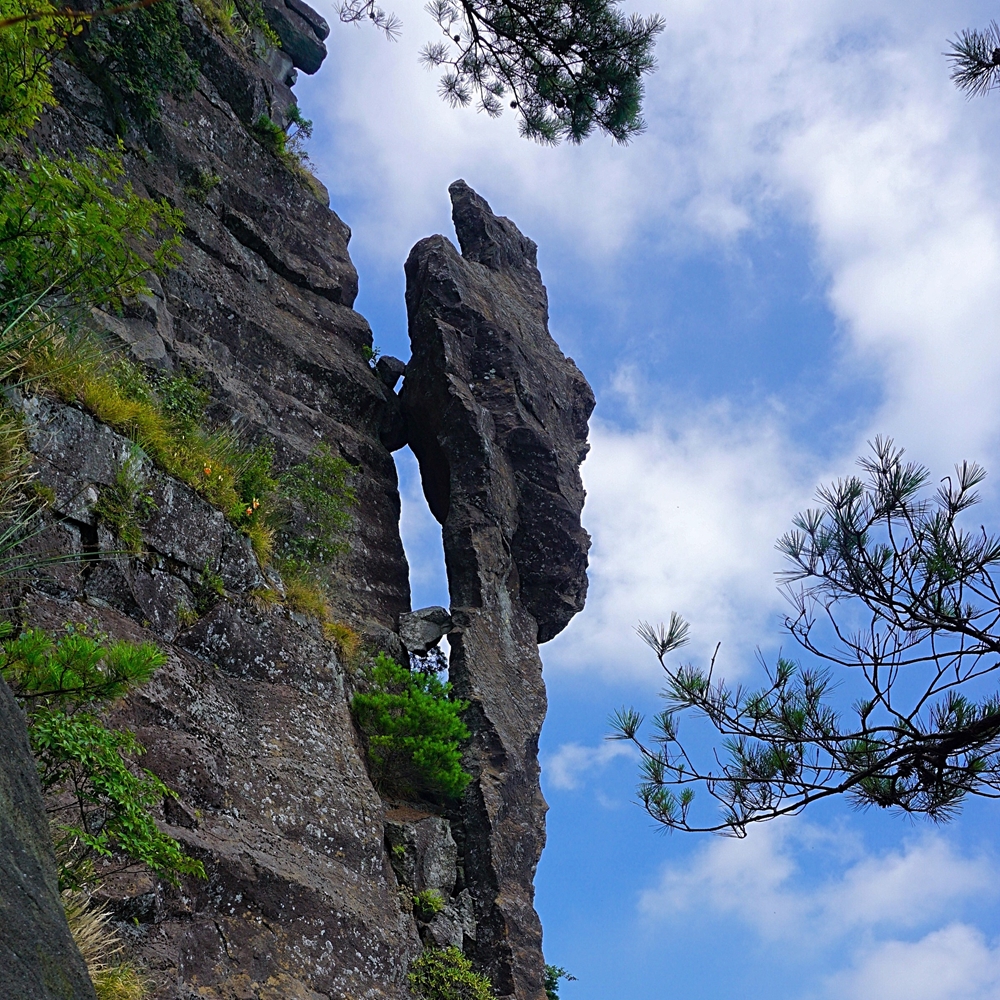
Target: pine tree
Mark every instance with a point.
(887, 588)
(975, 59)
(565, 66)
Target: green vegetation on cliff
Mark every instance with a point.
(412, 729)
(446, 974)
(102, 801)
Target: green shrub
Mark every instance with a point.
(26, 53)
(77, 228)
(135, 56)
(427, 904)
(321, 485)
(412, 731)
(447, 975)
(61, 682)
(126, 505)
(271, 136)
(202, 184)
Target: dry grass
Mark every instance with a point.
(118, 393)
(308, 597)
(114, 978)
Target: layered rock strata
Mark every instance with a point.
(497, 417)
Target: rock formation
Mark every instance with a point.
(312, 876)
(38, 959)
(497, 417)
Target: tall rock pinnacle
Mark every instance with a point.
(497, 417)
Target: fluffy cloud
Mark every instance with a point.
(571, 763)
(684, 518)
(953, 963)
(761, 881)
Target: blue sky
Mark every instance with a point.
(802, 251)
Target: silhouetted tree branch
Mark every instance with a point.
(884, 584)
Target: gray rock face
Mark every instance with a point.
(423, 852)
(497, 417)
(423, 629)
(301, 31)
(38, 959)
(261, 302)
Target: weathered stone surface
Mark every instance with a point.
(38, 959)
(248, 722)
(261, 303)
(497, 417)
(423, 852)
(492, 405)
(423, 629)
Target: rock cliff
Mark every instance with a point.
(311, 874)
(38, 959)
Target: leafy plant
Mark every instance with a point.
(271, 136)
(136, 56)
(208, 590)
(446, 974)
(77, 227)
(127, 504)
(26, 53)
(412, 730)
(203, 183)
(553, 973)
(427, 904)
(104, 801)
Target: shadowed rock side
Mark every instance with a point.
(497, 417)
(38, 959)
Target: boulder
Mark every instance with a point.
(422, 630)
(390, 370)
(301, 38)
(422, 851)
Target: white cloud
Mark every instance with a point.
(684, 517)
(761, 882)
(573, 764)
(953, 963)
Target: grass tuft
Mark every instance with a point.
(114, 978)
(164, 417)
